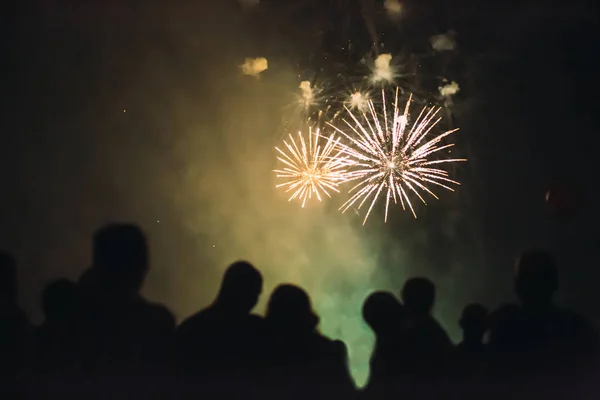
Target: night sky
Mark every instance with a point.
(137, 112)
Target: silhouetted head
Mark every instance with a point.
(536, 278)
(418, 295)
(290, 309)
(121, 257)
(8, 279)
(59, 299)
(474, 320)
(381, 310)
(241, 287)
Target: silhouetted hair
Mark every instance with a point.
(59, 298)
(241, 286)
(380, 309)
(418, 295)
(8, 277)
(120, 258)
(120, 245)
(474, 316)
(290, 305)
(536, 276)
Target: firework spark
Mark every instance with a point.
(393, 158)
(310, 170)
(358, 101)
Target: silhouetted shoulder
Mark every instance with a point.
(330, 348)
(505, 313)
(162, 315)
(256, 323)
(339, 348)
(17, 316)
(200, 318)
(256, 320)
(156, 314)
(505, 328)
(577, 329)
(439, 332)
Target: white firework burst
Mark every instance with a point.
(393, 157)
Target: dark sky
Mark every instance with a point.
(70, 161)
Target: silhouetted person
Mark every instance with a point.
(225, 339)
(56, 339)
(538, 336)
(382, 311)
(304, 363)
(121, 328)
(472, 351)
(426, 348)
(14, 326)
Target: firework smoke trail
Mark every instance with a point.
(388, 157)
(310, 170)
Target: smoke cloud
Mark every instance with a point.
(383, 70)
(449, 89)
(249, 3)
(254, 66)
(394, 8)
(307, 93)
(443, 42)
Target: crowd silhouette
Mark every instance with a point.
(101, 339)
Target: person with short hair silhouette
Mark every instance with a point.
(121, 329)
(472, 351)
(304, 363)
(56, 339)
(538, 336)
(225, 340)
(382, 311)
(426, 348)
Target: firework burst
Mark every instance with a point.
(389, 156)
(314, 169)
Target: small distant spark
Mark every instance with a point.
(310, 170)
(389, 156)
